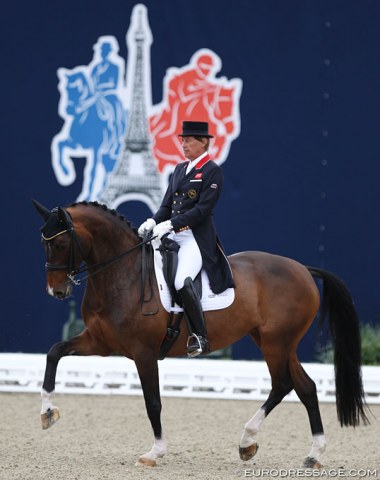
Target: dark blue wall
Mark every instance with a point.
(301, 179)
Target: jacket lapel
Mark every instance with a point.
(177, 180)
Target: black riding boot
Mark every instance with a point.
(198, 342)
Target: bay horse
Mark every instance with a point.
(276, 301)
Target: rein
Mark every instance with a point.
(101, 265)
(94, 269)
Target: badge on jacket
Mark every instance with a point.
(197, 178)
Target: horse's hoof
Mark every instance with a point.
(49, 418)
(311, 462)
(248, 452)
(146, 462)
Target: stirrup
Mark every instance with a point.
(198, 347)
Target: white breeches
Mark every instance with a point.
(189, 257)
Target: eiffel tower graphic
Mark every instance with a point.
(135, 176)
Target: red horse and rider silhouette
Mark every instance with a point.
(194, 91)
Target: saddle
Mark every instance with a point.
(164, 255)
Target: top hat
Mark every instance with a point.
(195, 129)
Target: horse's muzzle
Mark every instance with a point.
(60, 293)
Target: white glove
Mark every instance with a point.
(146, 227)
(162, 228)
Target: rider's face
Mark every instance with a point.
(193, 148)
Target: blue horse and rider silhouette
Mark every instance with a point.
(95, 119)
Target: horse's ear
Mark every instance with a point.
(43, 211)
(65, 217)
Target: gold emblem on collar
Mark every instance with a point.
(192, 193)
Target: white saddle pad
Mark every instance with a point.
(210, 300)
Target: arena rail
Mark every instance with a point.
(198, 378)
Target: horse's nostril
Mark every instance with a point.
(59, 294)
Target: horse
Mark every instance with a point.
(276, 301)
(94, 128)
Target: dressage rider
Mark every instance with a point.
(186, 214)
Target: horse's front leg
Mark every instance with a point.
(50, 413)
(148, 373)
(83, 344)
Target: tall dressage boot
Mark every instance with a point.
(197, 343)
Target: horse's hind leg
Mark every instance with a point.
(281, 386)
(307, 392)
(83, 344)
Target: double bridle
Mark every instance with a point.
(70, 266)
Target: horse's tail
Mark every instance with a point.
(338, 305)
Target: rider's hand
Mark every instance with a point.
(162, 229)
(146, 227)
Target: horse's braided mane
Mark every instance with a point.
(106, 209)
